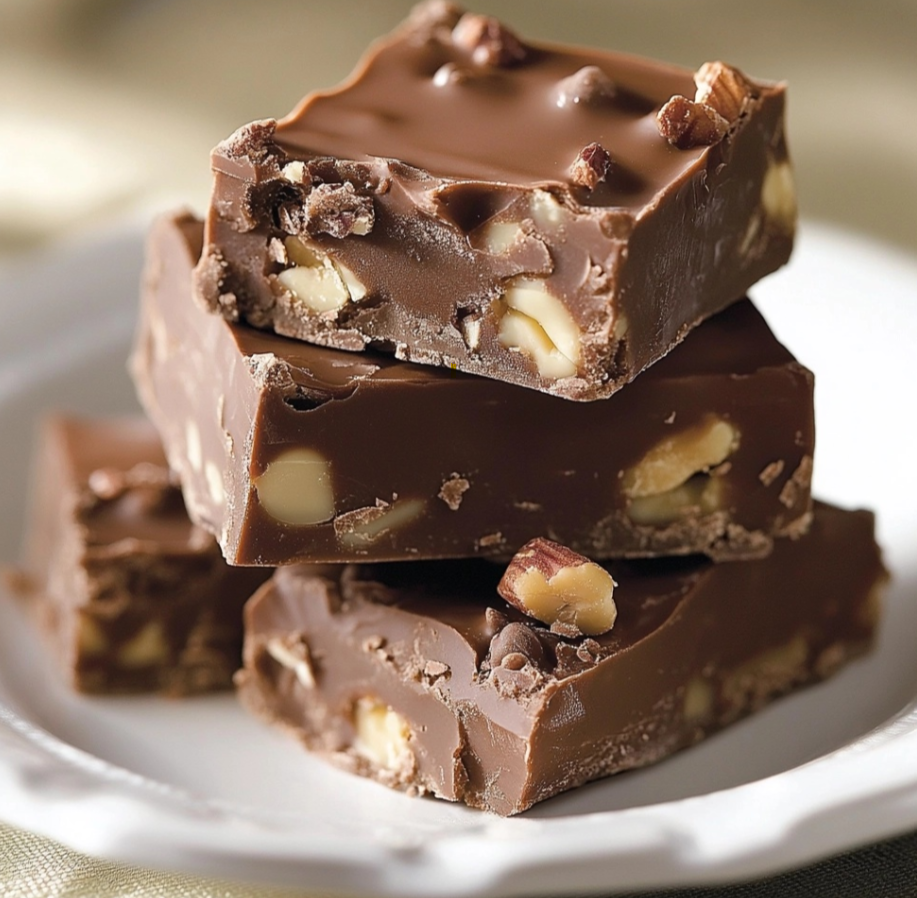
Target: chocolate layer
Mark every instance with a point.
(508, 209)
(419, 676)
(291, 452)
(134, 596)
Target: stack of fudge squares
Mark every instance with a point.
(462, 350)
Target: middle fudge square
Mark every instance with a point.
(290, 452)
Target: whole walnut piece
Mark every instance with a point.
(552, 583)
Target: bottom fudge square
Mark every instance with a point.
(134, 597)
(419, 676)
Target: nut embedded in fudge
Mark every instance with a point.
(292, 452)
(554, 217)
(135, 598)
(419, 677)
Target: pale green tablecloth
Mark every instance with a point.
(32, 867)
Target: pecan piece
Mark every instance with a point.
(686, 124)
(724, 89)
(488, 41)
(591, 166)
(550, 582)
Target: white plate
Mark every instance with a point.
(198, 786)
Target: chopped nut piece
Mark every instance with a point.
(550, 582)
(293, 654)
(489, 540)
(589, 86)
(364, 526)
(488, 41)
(724, 89)
(90, 636)
(778, 196)
(277, 252)
(568, 631)
(699, 495)
(338, 210)
(452, 491)
(591, 166)
(295, 172)
(797, 487)
(539, 325)
(471, 330)
(147, 647)
(687, 124)
(698, 700)
(317, 281)
(498, 236)
(771, 472)
(547, 211)
(674, 460)
(382, 735)
(296, 488)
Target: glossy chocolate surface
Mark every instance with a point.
(438, 183)
(427, 463)
(134, 596)
(695, 646)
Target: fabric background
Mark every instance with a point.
(33, 867)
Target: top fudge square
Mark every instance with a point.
(554, 217)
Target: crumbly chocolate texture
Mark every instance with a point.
(416, 680)
(134, 597)
(291, 452)
(553, 217)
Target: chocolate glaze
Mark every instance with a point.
(441, 147)
(695, 646)
(134, 596)
(487, 466)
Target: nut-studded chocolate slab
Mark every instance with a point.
(544, 215)
(292, 452)
(134, 597)
(417, 675)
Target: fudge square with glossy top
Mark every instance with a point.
(133, 596)
(550, 216)
(294, 452)
(419, 676)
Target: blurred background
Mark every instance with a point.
(107, 106)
